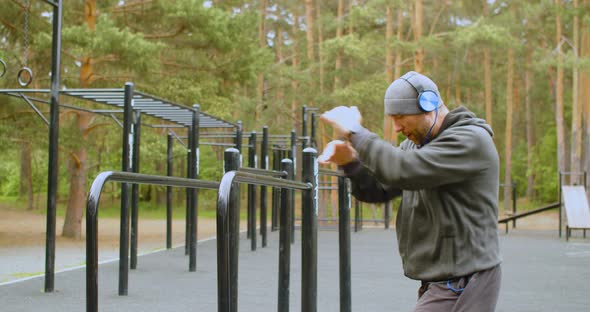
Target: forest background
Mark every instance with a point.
(524, 66)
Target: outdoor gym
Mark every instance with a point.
(156, 157)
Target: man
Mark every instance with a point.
(447, 174)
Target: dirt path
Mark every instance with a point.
(22, 242)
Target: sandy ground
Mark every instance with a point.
(22, 240)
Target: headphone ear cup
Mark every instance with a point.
(428, 101)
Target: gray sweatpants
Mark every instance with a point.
(477, 292)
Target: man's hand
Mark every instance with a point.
(343, 119)
(337, 152)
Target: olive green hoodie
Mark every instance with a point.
(447, 222)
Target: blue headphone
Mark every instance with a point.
(427, 99)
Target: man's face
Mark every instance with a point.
(414, 127)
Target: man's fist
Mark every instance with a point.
(337, 152)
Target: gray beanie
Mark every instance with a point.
(401, 97)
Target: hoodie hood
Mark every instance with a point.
(461, 116)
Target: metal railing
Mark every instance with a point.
(228, 230)
(92, 224)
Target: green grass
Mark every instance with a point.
(26, 274)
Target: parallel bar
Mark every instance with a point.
(253, 163)
(285, 240)
(194, 199)
(92, 218)
(309, 252)
(135, 189)
(52, 170)
(275, 198)
(293, 156)
(344, 244)
(126, 167)
(169, 172)
(263, 201)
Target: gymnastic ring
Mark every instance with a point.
(22, 82)
(3, 69)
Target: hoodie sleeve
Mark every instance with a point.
(453, 156)
(365, 187)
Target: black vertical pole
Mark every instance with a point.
(293, 156)
(386, 217)
(514, 203)
(238, 143)
(285, 240)
(559, 198)
(252, 192)
(263, 201)
(124, 231)
(344, 244)
(189, 161)
(276, 158)
(228, 240)
(309, 252)
(136, 126)
(312, 139)
(303, 126)
(52, 165)
(170, 173)
(194, 194)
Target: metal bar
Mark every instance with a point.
(238, 140)
(309, 237)
(26, 99)
(313, 122)
(344, 244)
(263, 201)
(126, 167)
(188, 196)
(194, 194)
(285, 240)
(387, 207)
(275, 194)
(253, 163)
(328, 172)
(293, 156)
(303, 124)
(52, 170)
(514, 203)
(169, 172)
(92, 218)
(135, 189)
(272, 173)
(116, 120)
(357, 215)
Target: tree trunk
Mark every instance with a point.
(585, 88)
(78, 164)
(295, 64)
(530, 132)
(387, 121)
(508, 137)
(338, 61)
(280, 95)
(260, 76)
(320, 42)
(559, 119)
(488, 75)
(26, 173)
(576, 148)
(398, 54)
(418, 21)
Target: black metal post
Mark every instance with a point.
(263, 201)
(126, 167)
(52, 164)
(275, 192)
(187, 214)
(238, 142)
(194, 147)
(514, 203)
(560, 203)
(344, 244)
(386, 217)
(136, 134)
(309, 237)
(169, 172)
(312, 139)
(252, 192)
(293, 156)
(227, 257)
(285, 240)
(303, 126)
